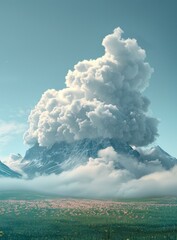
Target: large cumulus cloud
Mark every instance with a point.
(102, 98)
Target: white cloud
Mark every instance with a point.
(100, 177)
(161, 183)
(102, 98)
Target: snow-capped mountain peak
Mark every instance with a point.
(65, 156)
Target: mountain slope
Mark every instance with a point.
(63, 156)
(157, 153)
(5, 171)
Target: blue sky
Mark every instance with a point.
(42, 39)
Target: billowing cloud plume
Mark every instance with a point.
(102, 98)
(100, 177)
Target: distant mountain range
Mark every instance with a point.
(65, 156)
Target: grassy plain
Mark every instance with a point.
(38, 216)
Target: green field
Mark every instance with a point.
(36, 216)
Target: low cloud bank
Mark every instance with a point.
(103, 177)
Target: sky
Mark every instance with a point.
(41, 40)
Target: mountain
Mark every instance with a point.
(157, 153)
(5, 171)
(63, 156)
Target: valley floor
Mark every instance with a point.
(83, 219)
